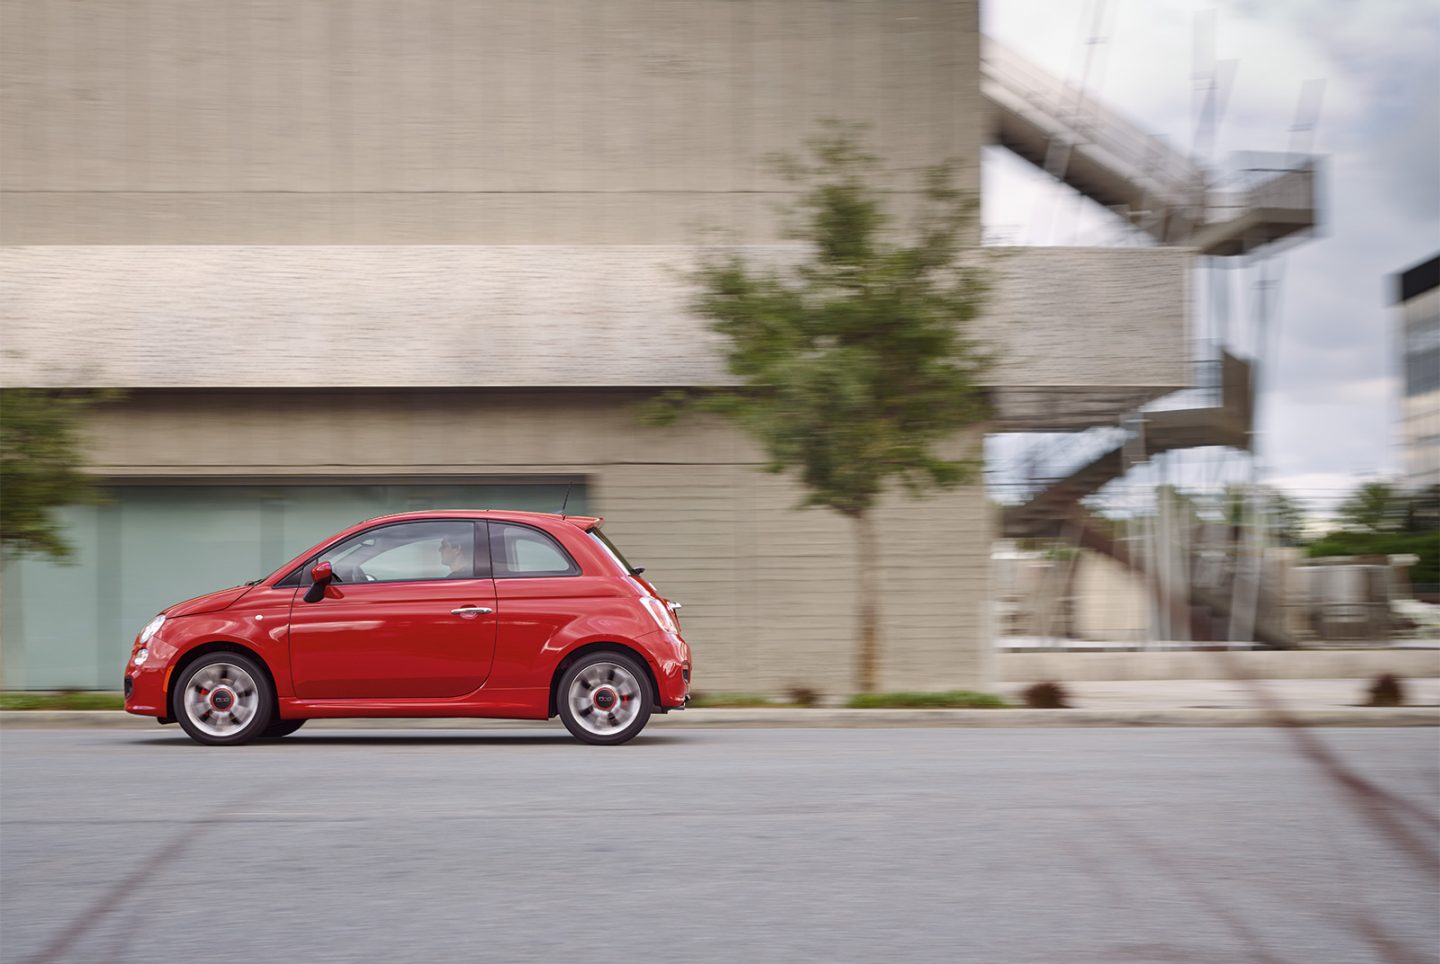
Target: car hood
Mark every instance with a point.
(209, 603)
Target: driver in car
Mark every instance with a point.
(453, 557)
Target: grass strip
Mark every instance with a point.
(948, 699)
(732, 700)
(65, 700)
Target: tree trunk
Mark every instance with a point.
(867, 566)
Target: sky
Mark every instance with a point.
(1330, 401)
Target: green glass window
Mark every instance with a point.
(150, 546)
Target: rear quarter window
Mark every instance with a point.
(519, 551)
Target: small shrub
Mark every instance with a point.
(949, 699)
(1386, 691)
(804, 696)
(1046, 696)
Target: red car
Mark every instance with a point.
(520, 615)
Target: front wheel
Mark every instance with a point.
(223, 699)
(604, 698)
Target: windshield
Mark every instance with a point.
(609, 547)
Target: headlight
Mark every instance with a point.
(150, 629)
(659, 613)
(141, 655)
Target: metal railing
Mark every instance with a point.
(1053, 457)
(1146, 158)
(1277, 181)
(1207, 389)
(1172, 182)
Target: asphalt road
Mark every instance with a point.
(1039, 845)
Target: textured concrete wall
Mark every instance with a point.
(769, 591)
(454, 121)
(392, 316)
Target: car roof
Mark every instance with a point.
(580, 521)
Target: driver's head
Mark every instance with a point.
(452, 552)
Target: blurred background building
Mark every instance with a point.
(1417, 294)
(352, 258)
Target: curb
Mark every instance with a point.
(828, 718)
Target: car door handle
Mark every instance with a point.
(471, 611)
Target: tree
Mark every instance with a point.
(1379, 519)
(854, 364)
(1374, 507)
(40, 468)
(1284, 517)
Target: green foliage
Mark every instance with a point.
(855, 363)
(1381, 520)
(1426, 545)
(40, 467)
(1374, 507)
(948, 699)
(67, 700)
(1285, 516)
(729, 700)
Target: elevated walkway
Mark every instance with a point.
(1158, 189)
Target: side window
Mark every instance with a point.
(407, 552)
(521, 551)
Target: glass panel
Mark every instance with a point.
(51, 641)
(148, 547)
(613, 551)
(404, 553)
(522, 551)
(1422, 372)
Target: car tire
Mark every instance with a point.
(223, 699)
(279, 728)
(604, 698)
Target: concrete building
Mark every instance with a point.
(352, 257)
(1417, 294)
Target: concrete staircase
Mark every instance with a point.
(1047, 512)
(1115, 162)
(1055, 511)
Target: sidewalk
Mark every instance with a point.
(1107, 703)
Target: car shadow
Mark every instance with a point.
(402, 738)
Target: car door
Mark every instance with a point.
(410, 616)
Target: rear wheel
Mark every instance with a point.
(279, 728)
(604, 698)
(223, 699)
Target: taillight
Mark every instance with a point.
(660, 613)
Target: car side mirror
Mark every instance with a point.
(321, 575)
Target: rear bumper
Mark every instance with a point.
(671, 662)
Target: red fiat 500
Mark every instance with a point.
(465, 613)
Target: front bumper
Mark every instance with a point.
(145, 684)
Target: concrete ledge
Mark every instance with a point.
(828, 718)
(1254, 664)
